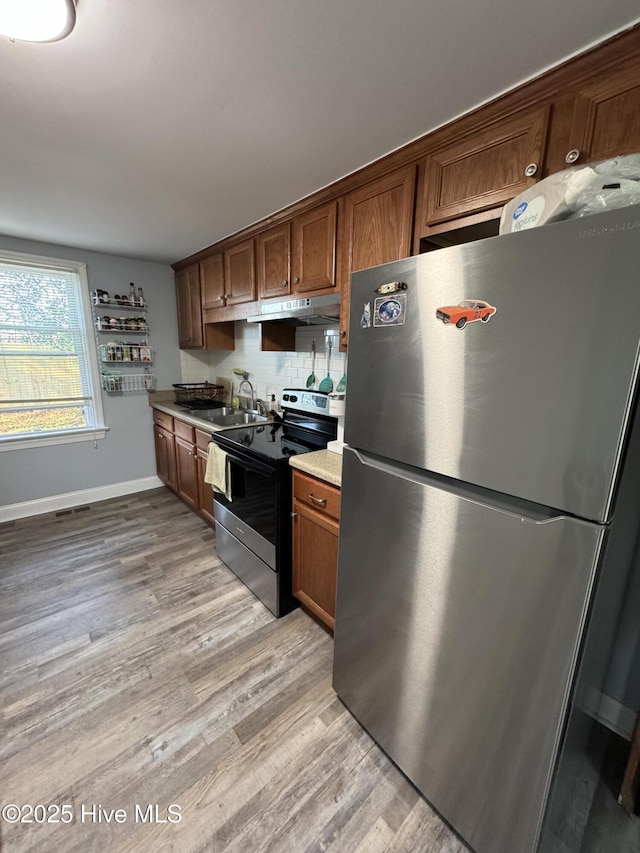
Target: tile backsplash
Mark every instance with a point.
(269, 372)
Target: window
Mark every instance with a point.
(49, 378)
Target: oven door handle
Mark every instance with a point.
(250, 465)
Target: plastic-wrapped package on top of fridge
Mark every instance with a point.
(578, 191)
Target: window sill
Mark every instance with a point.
(8, 442)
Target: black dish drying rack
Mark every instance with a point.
(199, 395)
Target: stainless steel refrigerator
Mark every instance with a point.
(490, 486)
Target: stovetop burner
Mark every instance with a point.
(270, 441)
(304, 426)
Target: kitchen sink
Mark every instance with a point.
(235, 417)
(206, 414)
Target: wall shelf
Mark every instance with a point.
(137, 354)
(125, 353)
(124, 325)
(111, 303)
(132, 383)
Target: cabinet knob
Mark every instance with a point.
(572, 156)
(531, 169)
(285, 282)
(293, 514)
(343, 333)
(160, 435)
(296, 280)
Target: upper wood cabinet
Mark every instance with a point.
(587, 109)
(606, 119)
(189, 300)
(313, 263)
(240, 273)
(299, 256)
(199, 287)
(376, 229)
(274, 261)
(212, 282)
(487, 168)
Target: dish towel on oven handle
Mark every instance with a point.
(217, 471)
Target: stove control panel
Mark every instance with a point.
(301, 400)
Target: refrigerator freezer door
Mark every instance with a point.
(531, 400)
(457, 630)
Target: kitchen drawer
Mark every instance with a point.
(316, 494)
(163, 420)
(202, 439)
(184, 430)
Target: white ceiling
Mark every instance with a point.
(160, 127)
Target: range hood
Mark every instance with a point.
(300, 312)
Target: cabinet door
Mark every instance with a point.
(240, 273)
(165, 456)
(313, 263)
(606, 120)
(315, 562)
(274, 261)
(189, 301)
(376, 229)
(187, 469)
(486, 168)
(205, 492)
(212, 282)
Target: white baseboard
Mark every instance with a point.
(79, 498)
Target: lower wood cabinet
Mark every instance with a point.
(205, 491)
(316, 513)
(186, 463)
(181, 462)
(165, 456)
(165, 448)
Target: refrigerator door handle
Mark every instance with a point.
(526, 511)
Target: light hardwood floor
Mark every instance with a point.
(136, 669)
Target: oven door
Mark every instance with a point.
(252, 513)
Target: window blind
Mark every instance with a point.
(45, 378)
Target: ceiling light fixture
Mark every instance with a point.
(37, 20)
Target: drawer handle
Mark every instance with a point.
(318, 501)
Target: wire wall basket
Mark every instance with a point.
(132, 383)
(125, 352)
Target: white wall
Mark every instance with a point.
(269, 372)
(127, 452)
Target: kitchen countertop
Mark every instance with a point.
(323, 464)
(187, 415)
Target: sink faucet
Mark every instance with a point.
(261, 407)
(245, 381)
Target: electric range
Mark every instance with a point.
(253, 528)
